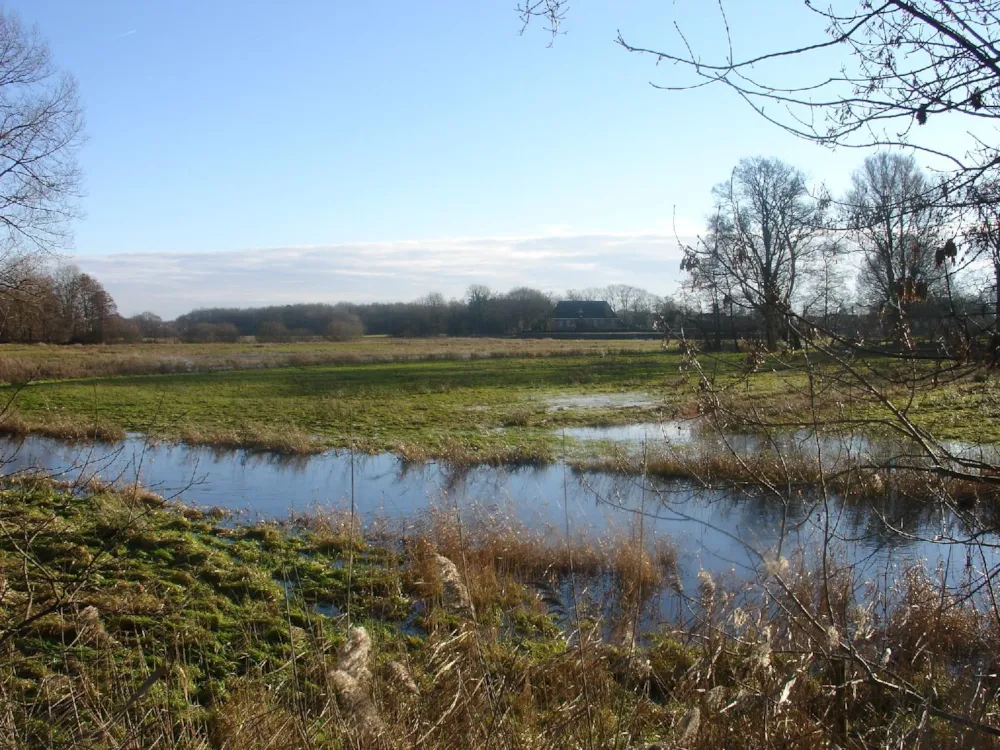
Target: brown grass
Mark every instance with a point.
(287, 440)
(20, 363)
(709, 468)
(498, 555)
(460, 455)
(857, 479)
(61, 426)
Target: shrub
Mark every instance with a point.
(344, 327)
(273, 331)
(120, 330)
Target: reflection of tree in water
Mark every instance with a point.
(892, 520)
(902, 517)
(291, 462)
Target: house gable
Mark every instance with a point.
(586, 309)
(583, 315)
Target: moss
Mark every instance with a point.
(264, 532)
(31, 670)
(670, 661)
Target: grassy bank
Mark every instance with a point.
(128, 623)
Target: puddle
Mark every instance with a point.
(600, 401)
(670, 431)
(696, 435)
(328, 609)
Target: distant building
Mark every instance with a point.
(583, 315)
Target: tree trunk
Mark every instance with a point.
(996, 311)
(771, 328)
(718, 326)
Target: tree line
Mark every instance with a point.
(61, 306)
(884, 258)
(734, 273)
(481, 312)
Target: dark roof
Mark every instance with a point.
(583, 309)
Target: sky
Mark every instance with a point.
(247, 152)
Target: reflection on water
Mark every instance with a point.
(700, 435)
(712, 529)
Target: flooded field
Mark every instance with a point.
(727, 532)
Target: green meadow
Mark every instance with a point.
(503, 408)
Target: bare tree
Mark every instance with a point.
(436, 309)
(552, 12)
(709, 281)
(84, 305)
(983, 235)
(41, 125)
(642, 308)
(760, 238)
(624, 299)
(526, 308)
(478, 297)
(827, 297)
(897, 231)
(905, 62)
(588, 293)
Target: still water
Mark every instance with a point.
(721, 531)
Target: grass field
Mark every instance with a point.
(467, 399)
(428, 405)
(20, 363)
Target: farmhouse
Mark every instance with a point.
(583, 315)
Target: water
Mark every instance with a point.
(670, 431)
(721, 531)
(697, 433)
(601, 401)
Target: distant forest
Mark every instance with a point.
(482, 312)
(63, 306)
(67, 306)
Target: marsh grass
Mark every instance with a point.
(461, 456)
(503, 560)
(275, 439)
(64, 426)
(160, 628)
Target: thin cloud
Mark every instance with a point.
(172, 283)
(130, 32)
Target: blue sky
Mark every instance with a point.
(250, 152)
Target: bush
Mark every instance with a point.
(344, 327)
(273, 331)
(227, 332)
(121, 330)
